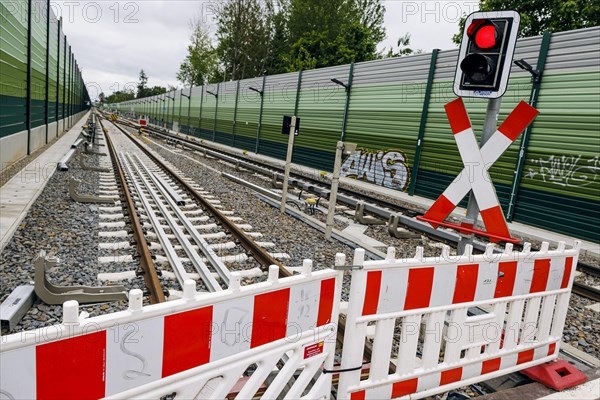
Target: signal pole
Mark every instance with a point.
(489, 127)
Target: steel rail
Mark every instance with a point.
(203, 245)
(588, 269)
(174, 259)
(156, 294)
(586, 291)
(258, 253)
(170, 191)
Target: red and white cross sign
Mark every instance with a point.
(475, 174)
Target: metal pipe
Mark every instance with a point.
(262, 102)
(62, 164)
(489, 127)
(29, 67)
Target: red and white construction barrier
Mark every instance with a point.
(203, 342)
(461, 319)
(476, 162)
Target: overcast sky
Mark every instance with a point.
(112, 40)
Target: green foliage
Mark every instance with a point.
(153, 91)
(326, 33)
(256, 37)
(143, 90)
(200, 63)
(120, 95)
(539, 16)
(243, 38)
(315, 50)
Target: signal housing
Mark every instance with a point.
(486, 54)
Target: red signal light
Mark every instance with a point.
(483, 33)
(474, 25)
(486, 37)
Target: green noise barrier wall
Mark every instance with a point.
(41, 87)
(550, 176)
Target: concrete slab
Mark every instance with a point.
(588, 390)
(357, 232)
(20, 192)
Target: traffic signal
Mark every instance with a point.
(486, 53)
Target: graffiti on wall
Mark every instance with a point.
(388, 168)
(566, 171)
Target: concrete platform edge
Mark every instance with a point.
(49, 160)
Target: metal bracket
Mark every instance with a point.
(275, 183)
(83, 198)
(52, 294)
(399, 233)
(90, 168)
(359, 216)
(16, 305)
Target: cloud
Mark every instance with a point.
(431, 24)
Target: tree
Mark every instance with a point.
(200, 63)
(315, 50)
(372, 13)
(325, 33)
(141, 86)
(243, 38)
(403, 49)
(101, 98)
(279, 43)
(539, 16)
(153, 91)
(120, 96)
(256, 37)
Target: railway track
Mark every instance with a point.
(176, 224)
(259, 253)
(351, 198)
(377, 207)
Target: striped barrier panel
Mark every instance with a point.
(203, 346)
(449, 321)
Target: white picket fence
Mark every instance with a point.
(449, 321)
(434, 323)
